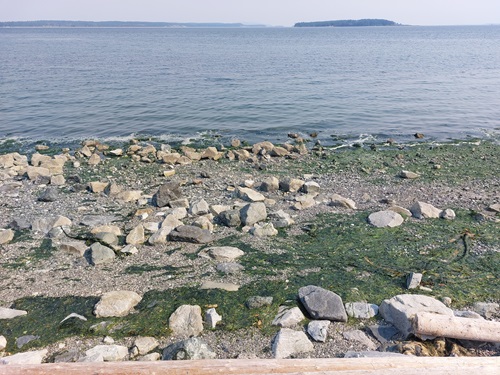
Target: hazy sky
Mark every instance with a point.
(269, 12)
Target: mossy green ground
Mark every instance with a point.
(339, 252)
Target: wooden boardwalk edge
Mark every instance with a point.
(317, 366)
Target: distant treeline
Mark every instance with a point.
(348, 23)
(116, 24)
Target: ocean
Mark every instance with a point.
(361, 83)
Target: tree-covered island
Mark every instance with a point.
(348, 23)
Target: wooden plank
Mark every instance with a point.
(318, 366)
(437, 325)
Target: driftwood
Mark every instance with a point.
(319, 366)
(437, 325)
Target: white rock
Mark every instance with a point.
(222, 253)
(27, 358)
(448, 214)
(186, 321)
(250, 195)
(318, 329)
(288, 342)
(421, 210)
(199, 207)
(6, 313)
(413, 280)
(136, 236)
(3, 343)
(212, 317)
(384, 219)
(215, 285)
(116, 303)
(288, 317)
(6, 235)
(145, 344)
(409, 175)
(150, 357)
(265, 230)
(340, 201)
(109, 353)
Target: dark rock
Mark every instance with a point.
(190, 233)
(230, 218)
(74, 179)
(167, 192)
(70, 356)
(190, 349)
(322, 304)
(383, 334)
(49, 195)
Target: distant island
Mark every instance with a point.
(348, 23)
(117, 24)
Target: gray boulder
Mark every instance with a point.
(191, 233)
(253, 213)
(230, 218)
(288, 342)
(361, 310)
(109, 353)
(322, 304)
(50, 194)
(318, 329)
(167, 192)
(421, 210)
(401, 309)
(190, 349)
(26, 358)
(288, 317)
(100, 254)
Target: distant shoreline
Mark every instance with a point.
(119, 24)
(349, 23)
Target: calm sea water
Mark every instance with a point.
(252, 84)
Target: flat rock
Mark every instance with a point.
(27, 358)
(100, 254)
(487, 309)
(72, 247)
(361, 310)
(186, 321)
(230, 268)
(322, 304)
(98, 220)
(6, 235)
(145, 344)
(222, 253)
(409, 175)
(383, 333)
(253, 213)
(190, 349)
(224, 286)
(340, 201)
(6, 313)
(288, 342)
(116, 303)
(371, 354)
(250, 195)
(191, 233)
(401, 309)
(23, 340)
(318, 330)
(386, 218)
(288, 317)
(421, 210)
(109, 353)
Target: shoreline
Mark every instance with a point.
(319, 248)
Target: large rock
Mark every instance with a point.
(361, 337)
(288, 342)
(109, 353)
(386, 218)
(6, 313)
(186, 321)
(167, 192)
(270, 184)
(291, 185)
(6, 235)
(116, 303)
(45, 224)
(253, 213)
(288, 317)
(340, 201)
(222, 253)
(264, 230)
(190, 349)
(3, 343)
(191, 233)
(230, 218)
(145, 344)
(401, 309)
(223, 286)
(322, 304)
(421, 210)
(26, 358)
(199, 207)
(100, 254)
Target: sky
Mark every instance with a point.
(267, 12)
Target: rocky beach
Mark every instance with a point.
(150, 251)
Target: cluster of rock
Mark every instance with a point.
(186, 324)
